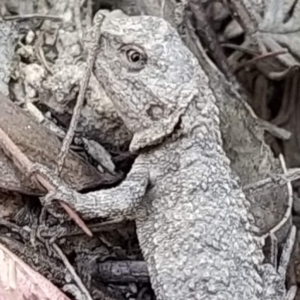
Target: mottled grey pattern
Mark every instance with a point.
(8, 40)
(192, 218)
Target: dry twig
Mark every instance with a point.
(258, 58)
(76, 113)
(239, 48)
(204, 30)
(32, 16)
(288, 212)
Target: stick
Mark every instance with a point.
(89, 67)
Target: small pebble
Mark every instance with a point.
(30, 37)
(133, 287)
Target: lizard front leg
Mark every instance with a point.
(122, 200)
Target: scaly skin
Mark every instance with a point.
(8, 41)
(192, 218)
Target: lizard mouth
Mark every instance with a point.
(168, 127)
(174, 135)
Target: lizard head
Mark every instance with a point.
(149, 74)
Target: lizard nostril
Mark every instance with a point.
(155, 112)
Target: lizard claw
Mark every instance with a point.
(62, 193)
(46, 173)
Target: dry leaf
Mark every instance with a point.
(19, 282)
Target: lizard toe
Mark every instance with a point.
(50, 201)
(45, 172)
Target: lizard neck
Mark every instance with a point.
(200, 123)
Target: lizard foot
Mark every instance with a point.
(45, 172)
(62, 193)
(52, 233)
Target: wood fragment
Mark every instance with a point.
(122, 271)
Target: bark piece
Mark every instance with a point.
(122, 271)
(41, 146)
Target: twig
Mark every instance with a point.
(72, 271)
(96, 228)
(276, 131)
(141, 293)
(258, 58)
(240, 48)
(277, 76)
(260, 97)
(243, 12)
(205, 32)
(44, 61)
(22, 162)
(290, 201)
(280, 179)
(89, 67)
(23, 47)
(89, 12)
(288, 101)
(245, 15)
(291, 295)
(78, 19)
(12, 226)
(162, 8)
(32, 16)
(40, 52)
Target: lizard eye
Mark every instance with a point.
(134, 57)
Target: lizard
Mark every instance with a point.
(193, 220)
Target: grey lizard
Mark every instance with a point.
(193, 220)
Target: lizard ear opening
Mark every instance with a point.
(154, 135)
(160, 129)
